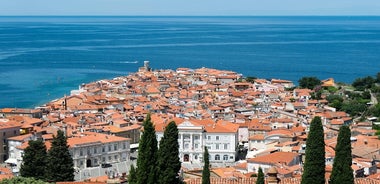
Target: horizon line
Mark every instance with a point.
(190, 15)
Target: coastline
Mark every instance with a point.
(284, 48)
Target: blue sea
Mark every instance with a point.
(43, 58)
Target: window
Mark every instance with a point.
(125, 146)
(217, 157)
(231, 157)
(196, 157)
(225, 146)
(109, 158)
(225, 157)
(196, 137)
(109, 147)
(80, 152)
(95, 150)
(196, 146)
(88, 151)
(81, 163)
(95, 161)
(115, 147)
(186, 145)
(4, 133)
(103, 159)
(217, 146)
(14, 132)
(116, 157)
(217, 137)
(209, 137)
(103, 149)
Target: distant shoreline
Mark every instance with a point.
(81, 49)
(189, 16)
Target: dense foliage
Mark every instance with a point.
(168, 156)
(60, 166)
(206, 168)
(22, 180)
(34, 160)
(260, 177)
(147, 159)
(364, 83)
(316, 95)
(352, 102)
(250, 79)
(132, 178)
(314, 167)
(342, 172)
(309, 82)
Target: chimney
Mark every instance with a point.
(272, 176)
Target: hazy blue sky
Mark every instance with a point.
(189, 7)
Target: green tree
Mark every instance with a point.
(335, 101)
(354, 107)
(363, 83)
(314, 167)
(260, 177)
(376, 110)
(206, 168)
(332, 89)
(60, 166)
(342, 172)
(168, 156)
(132, 179)
(378, 77)
(309, 82)
(22, 180)
(316, 95)
(250, 79)
(147, 159)
(34, 160)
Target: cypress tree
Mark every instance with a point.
(60, 166)
(168, 156)
(206, 168)
(260, 177)
(147, 159)
(342, 172)
(132, 175)
(34, 160)
(314, 167)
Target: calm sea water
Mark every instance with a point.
(43, 58)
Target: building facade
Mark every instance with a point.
(221, 139)
(7, 129)
(95, 149)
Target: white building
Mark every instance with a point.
(87, 150)
(221, 139)
(93, 149)
(15, 153)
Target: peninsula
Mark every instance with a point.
(245, 124)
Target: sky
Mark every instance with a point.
(189, 7)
